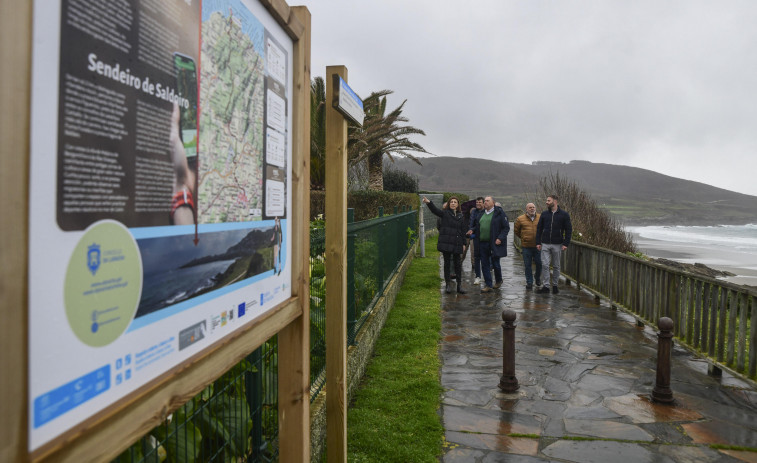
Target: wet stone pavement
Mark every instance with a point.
(585, 372)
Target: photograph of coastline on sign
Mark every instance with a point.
(232, 114)
(218, 260)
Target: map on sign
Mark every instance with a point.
(231, 170)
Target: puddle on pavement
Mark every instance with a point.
(640, 409)
(504, 444)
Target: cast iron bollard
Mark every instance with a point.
(508, 382)
(661, 392)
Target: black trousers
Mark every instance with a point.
(457, 259)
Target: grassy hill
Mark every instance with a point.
(637, 196)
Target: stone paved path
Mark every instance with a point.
(585, 372)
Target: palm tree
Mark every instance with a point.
(317, 134)
(381, 134)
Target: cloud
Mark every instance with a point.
(667, 86)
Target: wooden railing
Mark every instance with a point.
(715, 318)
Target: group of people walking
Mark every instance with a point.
(485, 229)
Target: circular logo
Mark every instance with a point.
(103, 283)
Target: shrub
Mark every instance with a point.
(366, 203)
(399, 180)
(591, 224)
(462, 197)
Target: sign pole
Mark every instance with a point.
(336, 278)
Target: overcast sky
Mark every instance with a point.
(669, 86)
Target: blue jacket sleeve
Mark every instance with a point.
(504, 228)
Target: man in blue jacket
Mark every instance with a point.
(552, 236)
(490, 228)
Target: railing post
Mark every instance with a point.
(661, 392)
(351, 316)
(381, 211)
(508, 382)
(611, 271)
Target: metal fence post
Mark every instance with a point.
(508, 382)
(422, 231)
(351, 316)
(661, 392)
(381, 254)
(399, 245)
(254, 391)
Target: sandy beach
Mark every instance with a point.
(742, 264)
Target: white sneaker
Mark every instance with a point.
(477, 281)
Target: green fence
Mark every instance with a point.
(374, 249)
(235, 419)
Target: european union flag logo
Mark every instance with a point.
(240, 309)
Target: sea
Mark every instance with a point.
(174, 286)
(732, 248)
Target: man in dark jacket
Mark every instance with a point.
(490, 228)
(552, 236)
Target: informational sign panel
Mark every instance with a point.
(347, 102)
(161, 138)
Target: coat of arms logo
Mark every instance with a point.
(93, 258)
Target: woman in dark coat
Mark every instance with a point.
(451, 239)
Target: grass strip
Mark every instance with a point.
(394, 414)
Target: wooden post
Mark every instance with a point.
(336, 275)
(294, 339)
(15, 75)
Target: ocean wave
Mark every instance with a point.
(741, 237)
(176, 298)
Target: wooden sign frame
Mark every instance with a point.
(103, 436)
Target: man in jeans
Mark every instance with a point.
(553, 234)
(525, 229)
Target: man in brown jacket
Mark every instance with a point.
(525, 229)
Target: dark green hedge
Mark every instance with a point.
(462, 197)
(366, 203)
(447, 195)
